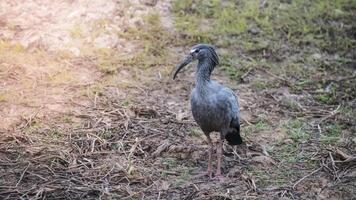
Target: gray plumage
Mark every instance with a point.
(214, 107)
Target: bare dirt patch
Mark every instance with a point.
(44, 46)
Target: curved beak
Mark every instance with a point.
(185, 62)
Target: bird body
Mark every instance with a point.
(214, 107)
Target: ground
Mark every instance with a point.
(89, 109)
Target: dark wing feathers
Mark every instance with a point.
(233, 136)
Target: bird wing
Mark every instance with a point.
(233, 103)
(229, 104)
(226, 99)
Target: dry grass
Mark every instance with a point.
(140, 151)
(123, 129)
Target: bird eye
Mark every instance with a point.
(197, 50)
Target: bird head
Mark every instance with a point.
(199, 52)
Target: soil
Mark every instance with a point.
(62, 139)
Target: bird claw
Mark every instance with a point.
(220, 177)
(207, 173)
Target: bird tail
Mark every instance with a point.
(233, 136)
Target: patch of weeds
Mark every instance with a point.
(295, 129)
(288, 152)
(227, 63)
(326, 97)
(172, 164)
(259, 84)
(255, 128)
(154, 40)
(261, 177)
(265, 178)
(67, 119)
(293, 151)
(127, 103)
(100, 26)
(298, 20)
(233, 67)
(56, 134)
(106, 60)
(348, 112)
(256, 45)
(189, 21)
(93, 90)
(34, 126)
(283, 33)
(323, 98)
(296, 70)
(302, 83)
(106, 135)
(76, 32)
(184, 177)
(213, 22)
(63, 55)
(10, 46)
(292, 104)
(334, 93)
(63, 76)
(195, 132)
(332, 134)
(169, 163)
(261, 126)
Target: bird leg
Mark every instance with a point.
(218, 174)
(208, 172)
(211, 147)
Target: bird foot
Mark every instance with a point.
(206, 173)
(219, 177)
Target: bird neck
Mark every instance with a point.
(205, 67)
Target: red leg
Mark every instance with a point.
(210, 154)
(208, 172)
(219, 155)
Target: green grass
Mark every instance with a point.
(332, 134)
(286, 35)
(294, 151)
(154, 40)
(295, 20)
(67, 119)
(296, 130)
(106, 60)
(234, 67)
(169, 163)
(195, 132)
(281, 177)
(259, 84)
(348, 112)
(183, 178)
(255, 128)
